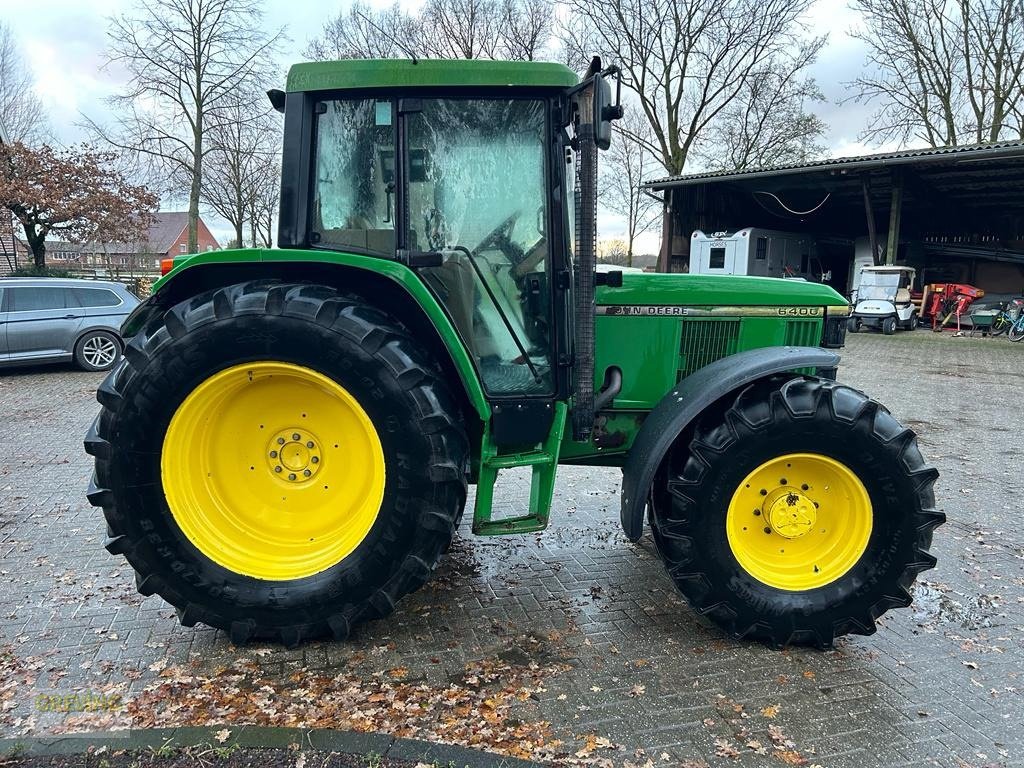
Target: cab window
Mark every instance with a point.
(354, 177)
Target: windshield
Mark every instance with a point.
(879, 285)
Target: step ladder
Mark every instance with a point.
(543, 460)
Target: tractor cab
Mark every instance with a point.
(883, 300)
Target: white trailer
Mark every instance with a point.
(754, 251)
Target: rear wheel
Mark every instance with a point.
(912, 322)
(801, 514)
(278, 461)
(1017, 330)
(1000, 325)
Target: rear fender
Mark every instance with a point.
(677, 410)
(395, 287)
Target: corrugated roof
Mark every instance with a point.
(976, 152)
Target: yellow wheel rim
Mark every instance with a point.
(273, 470)
(799, 521)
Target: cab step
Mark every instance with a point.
(544, 461)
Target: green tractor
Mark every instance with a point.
(285, 450)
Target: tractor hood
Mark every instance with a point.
(657, 294)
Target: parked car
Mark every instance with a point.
(50, 320)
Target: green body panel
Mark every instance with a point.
(390, 269)
(717, 290)
(377, 74)
(658, 329)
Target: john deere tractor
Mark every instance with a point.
(285, 450)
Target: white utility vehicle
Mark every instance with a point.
(883, 300)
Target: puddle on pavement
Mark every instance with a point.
(934, 608)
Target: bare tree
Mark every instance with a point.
(242, 149)
(527, 28)
(264, 202)
(362, 33)
(687, 61)
(442, 29)
(21, 112)
(767, 124)
(944, 72)
(625, 166)
(186, 60)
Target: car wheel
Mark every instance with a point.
(889, 326)
(97, 351)
(853, 325)
(912, 323)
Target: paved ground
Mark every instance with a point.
(568, 645)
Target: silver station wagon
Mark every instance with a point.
(51, 320)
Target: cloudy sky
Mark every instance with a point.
(63, 42)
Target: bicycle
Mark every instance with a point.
(1009, 323)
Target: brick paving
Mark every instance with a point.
(939, 684)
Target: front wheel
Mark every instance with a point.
(1017, 330)
(802, 513)
(853, 325)
(889, 326)
(278, 461)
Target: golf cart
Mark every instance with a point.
(883, 300)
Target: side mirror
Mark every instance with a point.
(605, 110)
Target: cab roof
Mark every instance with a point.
(427, 73)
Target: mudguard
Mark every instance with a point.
(687, 401)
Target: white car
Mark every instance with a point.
(883, 300)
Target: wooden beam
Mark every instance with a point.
(869, 211)
(895, 215)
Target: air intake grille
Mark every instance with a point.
(803, 333)
(705, 341)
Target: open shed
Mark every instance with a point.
(956, 213)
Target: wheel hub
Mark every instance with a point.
(293, 455)
(790, 513)
(799, 521)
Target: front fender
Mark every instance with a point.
(677, 410)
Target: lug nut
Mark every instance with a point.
(767, 529)
(309, 443)
(273, 454)
(306, 472)
(296, 436)
(277, 468)
(291, 476)
(315, 459)
(280, 441)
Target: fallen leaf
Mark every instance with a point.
(724, 749)
(637, 690)
(970, 664)
(770, 711)
(791, 757)
(809, 674)
(222, 735)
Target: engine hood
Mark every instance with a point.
(676, 290)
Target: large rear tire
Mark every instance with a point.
(279, 461)
(802, 513)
